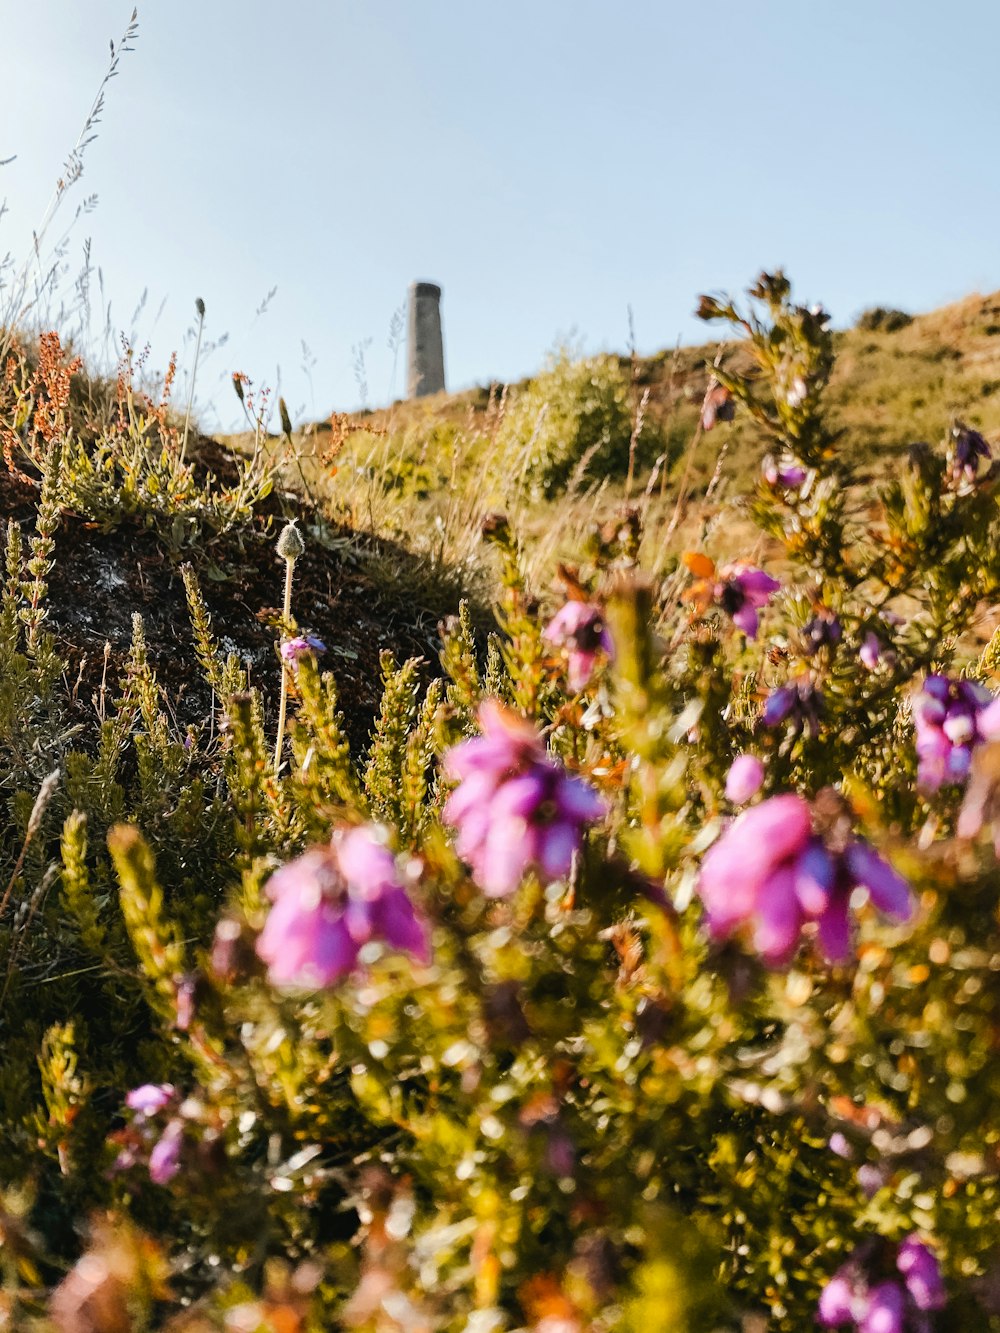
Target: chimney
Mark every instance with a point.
(424, 343)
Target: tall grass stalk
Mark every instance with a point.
(200, 307)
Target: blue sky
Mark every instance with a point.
(550, 164)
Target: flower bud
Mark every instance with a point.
(744, 779)
(290, 543)
(286, 420)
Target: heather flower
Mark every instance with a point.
(823, 630)
(922, 1274)
(967, 448)
(579, 628)
(743, 593)
(770, 873)
(951, 717)
(515, 808)
(799, 701)
(744, 779)
(840, 1145)
(150, 1098)
(328, 903)
(872, 1178)
(787, 474)
(873, 653)
(165, 1157)
(891, 1304)
(293, 649)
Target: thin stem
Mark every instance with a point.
(286, 615)
(194, 371)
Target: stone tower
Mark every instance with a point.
(424, 342)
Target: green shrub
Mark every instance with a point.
(575, 420)
(879, 320)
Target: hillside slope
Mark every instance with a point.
(424, 473)
(889, 388)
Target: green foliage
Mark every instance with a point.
(573, 421)
(878, 319)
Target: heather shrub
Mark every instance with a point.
(642, 972)
(129, 463)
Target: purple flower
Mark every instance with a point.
(744, 779)
(789, 475)
(150, 1098)
(799, 701)
(967, 448)
(885, 1309)
(951, 718)
(837, 1300)
(823, 630)
(293, 649)
(888, 1305)
(922, 1274)
(741, 595)
(165, 1158)
(874, 653)
(515, 808)
(328, 903)
(579, 628)
(840, 1145)
(770, 873)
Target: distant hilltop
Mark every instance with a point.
(899, 378)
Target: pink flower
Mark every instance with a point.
(165, 1158)
(150, 1098)
(742, 593)
(515, 809)
(293, 649)
(889, 1305)
(922, 1274)
(579, 628)
(951, 717)
(788, 475)
(331, 901)
(873, 653)
(770, 873)
(744, 779)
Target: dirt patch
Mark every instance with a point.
(101, 578)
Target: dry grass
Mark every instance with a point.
(425, 473)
